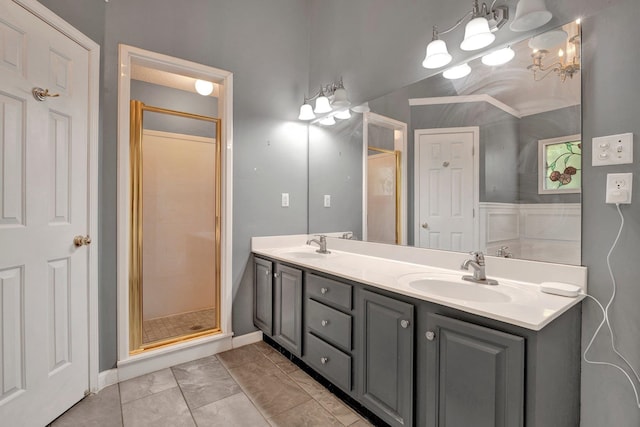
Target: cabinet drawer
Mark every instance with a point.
(327, 290)
(329, 323)
(329, 361)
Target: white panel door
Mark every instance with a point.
(444, 189)
(43, 205)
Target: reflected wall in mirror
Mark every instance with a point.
(461, 197)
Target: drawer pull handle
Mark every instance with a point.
(267, 272)
(324, 290)
(324, 322)
(275, 275)
(430, 335)
(405, 323)
(324, 360)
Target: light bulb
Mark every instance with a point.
(499, 57)
(437, 55)
(306, 112)
(204, 87)
(457, 72)
(328, 121)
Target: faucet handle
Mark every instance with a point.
(478, 257)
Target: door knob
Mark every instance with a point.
(82, 240)
(430, 335)
(42, 94)
(425, 225)
(405, 323)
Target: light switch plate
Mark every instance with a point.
(327, 200)
(285, 200)
(612, 150)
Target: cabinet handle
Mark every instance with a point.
(324, 360)
(324, 322)
(430, 335)
(324, 290)
(405, 323)
(275, 275)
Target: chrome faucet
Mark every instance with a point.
(503, 252)
(479, 275)
(322, 243)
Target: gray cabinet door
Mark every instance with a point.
(475, 375)
(288, 308)
(387, 358)
(263, 295)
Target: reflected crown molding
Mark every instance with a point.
(463, 99)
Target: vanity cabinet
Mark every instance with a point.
(475, 375)
(387, 338)
(287, 308)
(263, 295)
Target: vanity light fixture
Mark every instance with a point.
(568, 62)
(328, 121)
(327, 99)
(499, 57)
(343, 114)
(457, 72)
(204, 87)
(478, 33)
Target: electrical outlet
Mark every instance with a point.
(327, 200)
(285, 200)
(619, 186)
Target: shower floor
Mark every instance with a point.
(163, 328)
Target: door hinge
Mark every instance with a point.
(474, 212)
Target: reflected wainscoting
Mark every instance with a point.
(542, 231)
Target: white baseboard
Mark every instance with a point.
(171, 356)
(107, 378)
(246, 339)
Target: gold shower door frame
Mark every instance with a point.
(398, 183)
(136, 344)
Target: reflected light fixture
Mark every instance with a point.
(328, 121)
(329, 97)
(457, 72)
(499, 57)
(437, 53)
(204, 87)
(530, 14)
(343, 115)
(568, 62)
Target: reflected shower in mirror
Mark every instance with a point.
(478, 150)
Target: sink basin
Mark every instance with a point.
(456, 288)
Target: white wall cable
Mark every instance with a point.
(605, 320)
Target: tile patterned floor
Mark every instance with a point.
(163, 328)
(250, 386)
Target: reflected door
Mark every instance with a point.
(444, 188)
(382, 198)
(44, 350)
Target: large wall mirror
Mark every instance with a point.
(492, 160)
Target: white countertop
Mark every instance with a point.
(512, 301)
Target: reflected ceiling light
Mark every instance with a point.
(204, 87)
(530, 14)
(482, 23)
(437, 54)
(328, 121)
(457, 72)
(329, 97)
(499, 57)
(343, 115)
